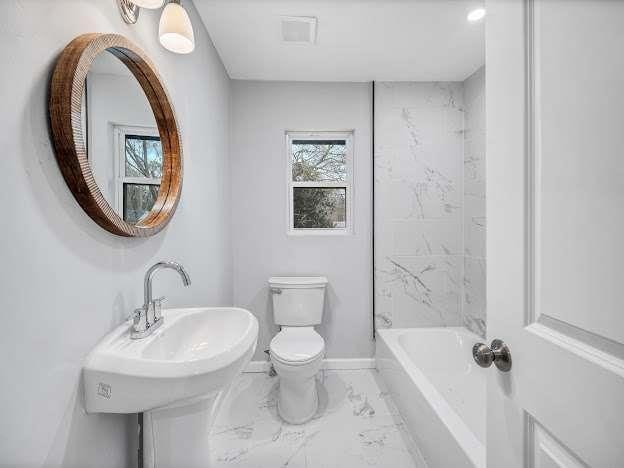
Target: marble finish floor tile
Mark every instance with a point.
(357, 425)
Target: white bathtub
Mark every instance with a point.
(439, 391)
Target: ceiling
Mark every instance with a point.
(357, 40)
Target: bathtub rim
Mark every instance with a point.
(457, 427)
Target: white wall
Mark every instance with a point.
(261, 113)
(64, 281)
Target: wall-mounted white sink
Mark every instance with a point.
(179, 369)
(195, 352)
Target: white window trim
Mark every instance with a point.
(119, 141)
(346, 135)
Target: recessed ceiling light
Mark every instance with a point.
(476, 14)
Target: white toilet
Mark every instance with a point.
(297, 350)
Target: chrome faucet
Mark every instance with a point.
(142, 326)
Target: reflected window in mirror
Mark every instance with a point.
(124, 149)
(139, 161)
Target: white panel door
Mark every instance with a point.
(555, 204)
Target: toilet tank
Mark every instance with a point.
(298, 300)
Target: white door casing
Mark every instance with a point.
(555, 204)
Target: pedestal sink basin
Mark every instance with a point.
(176, 376)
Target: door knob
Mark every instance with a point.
(497, 353)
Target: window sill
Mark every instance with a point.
(319, 232)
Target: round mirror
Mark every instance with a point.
(115, 135)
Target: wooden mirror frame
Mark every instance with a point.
(66, 92)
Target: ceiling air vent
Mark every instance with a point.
(299, 29)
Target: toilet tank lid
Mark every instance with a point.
(297, 281)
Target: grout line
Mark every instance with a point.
(374, 295)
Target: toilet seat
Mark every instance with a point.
(297, 346)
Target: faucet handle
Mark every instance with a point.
(158, 308)
(134, 314)
(139, 319)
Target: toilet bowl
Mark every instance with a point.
(297, 355)
(297, 351)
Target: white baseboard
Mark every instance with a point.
(329, 364)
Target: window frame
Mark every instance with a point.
(348, 136)
(120, 132)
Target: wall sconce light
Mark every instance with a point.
(175, 31)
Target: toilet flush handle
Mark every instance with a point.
(276, 291)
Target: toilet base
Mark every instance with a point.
(297, 401)
(287, 415)
(297, 396)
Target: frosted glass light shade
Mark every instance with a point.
(175, 30)
(152, 4)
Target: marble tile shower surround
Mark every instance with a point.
(356, 425)
(429, 204)
(473, 298)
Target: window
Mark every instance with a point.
(320, 172)
(139, 169)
